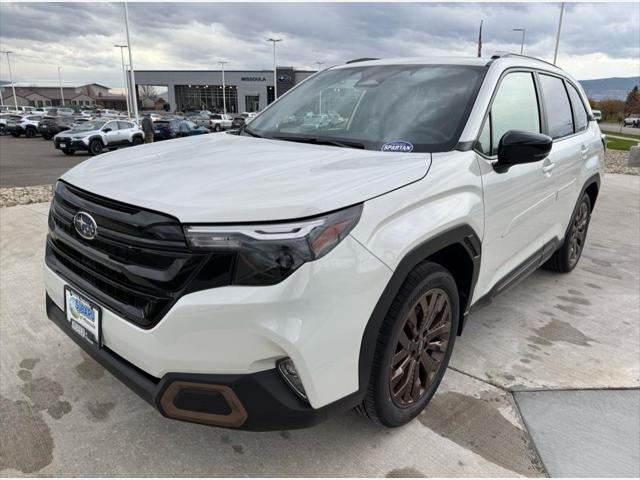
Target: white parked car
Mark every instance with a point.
(26, 125)
(272, 278)
(8, 117)
(632, 120)
(96, 135)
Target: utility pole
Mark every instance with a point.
(60, 84)
(13, 87)
(555, 54)
(275, 75)
(224, 89)
(134, 97)
(124, 74)
(523, 30)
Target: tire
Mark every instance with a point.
(567, 256)
(386, 402)
(66, 151)
(15, 134)
(47, 137)
(95, 147)
(137, 141)
(217, 128)
(30, 132)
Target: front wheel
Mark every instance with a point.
(30, 132)
(414, 346)
(566, 257)
(137, 141)
(217, 128)
(95, 147)
(15, 134)
(46, 137)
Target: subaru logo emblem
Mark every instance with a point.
(284, 79)
(85, 225)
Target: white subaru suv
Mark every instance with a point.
(272, 277)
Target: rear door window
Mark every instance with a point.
(557, 106)
(580, 118)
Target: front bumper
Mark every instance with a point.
(259, 401)
(232, 334)
(70, 144)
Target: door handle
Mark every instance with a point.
(584, 150)
(548, 167)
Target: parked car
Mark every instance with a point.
(632, 120)
(187, 128)
(270, 279)
(4, 118)
(165, 129)
(219, 122)
(237, 122)
(597, 115)
(94, 136)
(50, 126)
(65, 111)
(26, 125)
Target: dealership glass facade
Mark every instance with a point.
(206, 97)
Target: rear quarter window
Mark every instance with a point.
(579, 112)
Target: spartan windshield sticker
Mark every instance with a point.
(397, 146)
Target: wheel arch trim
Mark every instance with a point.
(463, 236)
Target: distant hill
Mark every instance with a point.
(615, 87)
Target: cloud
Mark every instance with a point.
(598, 39)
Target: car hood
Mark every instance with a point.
(82, 134)
(228, 178)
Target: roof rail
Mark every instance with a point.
(364, 59)
(497, 55)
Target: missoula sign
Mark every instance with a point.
(254, 79)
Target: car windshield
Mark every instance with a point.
(87, 126)
(421, 108)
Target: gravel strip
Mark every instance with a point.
(615, 160)
(11, 196)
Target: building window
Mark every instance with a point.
(251, 103)
(270, 95)
(206, 97)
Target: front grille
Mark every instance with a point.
(138, 265)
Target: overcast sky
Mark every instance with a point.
(598, 39)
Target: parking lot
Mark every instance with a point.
(32, 161)
(544, 381)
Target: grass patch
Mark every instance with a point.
(621, 134)
(617, 144)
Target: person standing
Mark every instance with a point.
(147, 128)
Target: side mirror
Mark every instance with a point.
(517, 146)
(106, 130)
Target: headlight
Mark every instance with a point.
(269, 253)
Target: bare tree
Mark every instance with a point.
(147, 91)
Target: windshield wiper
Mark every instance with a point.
(322, 141)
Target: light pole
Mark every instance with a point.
(555, 54)
(60, 84)
(124, 74)
(320, 65)
(13, 87)
(523, 30)
(224, 88)
(134, 97)
(275, 75)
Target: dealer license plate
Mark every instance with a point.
(83, 316)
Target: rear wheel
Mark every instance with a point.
(566, 257)
(414, 346)
(95, 147)
(30, 132)
(217, 128)
(46, 137)
(15, 134)
(137, 141)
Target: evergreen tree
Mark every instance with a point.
(632, 104)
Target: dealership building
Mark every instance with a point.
(245, 90)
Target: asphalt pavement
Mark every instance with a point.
(544, 381)
(32, 161)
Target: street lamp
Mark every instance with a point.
(320, 65)
(13, 87)
(555, 53)
(224, 88)
(275, 75)
(124, 74)
(523, 30)
(60, 84)
(134, 97)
